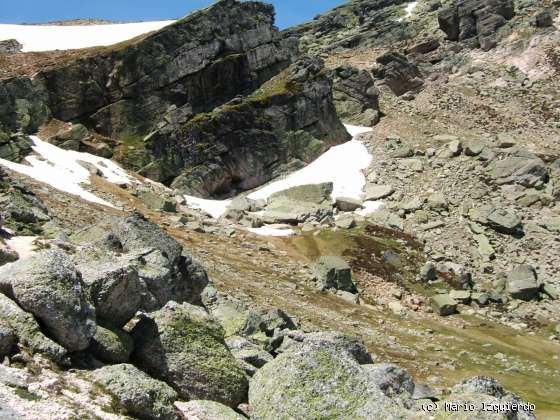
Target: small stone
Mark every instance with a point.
(428, 272)
(481, 299)
(348, 204)
(377, 192)
(521, 283)
(461, 296)
(348, 297)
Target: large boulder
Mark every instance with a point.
(184, 345)
(49, 286)
(140, 395)
(521, 283)
(251, 356)
(114, 289)
(27, 331)
(333, 272)
(312, 382)
(10, 46)
(137, 265)
(137, 233)
(299, 204)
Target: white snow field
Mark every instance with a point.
(272, 230)
(62, 170)
(53, 37)
(408, 10)
(214, 208)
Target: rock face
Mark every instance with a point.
(188, 67)
(141, 395)
(49, 286)
(466, 19)
(355, 97)
(310, 382)
(241, 145)
(299, 204)
(184, 346)
(398, 73)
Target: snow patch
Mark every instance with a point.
(214, 208)
(408, 10)
(272, 230)
(369, 207)
(61, 169)
(52, 37)
(342, 165)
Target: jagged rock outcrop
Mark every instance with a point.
(355, 97)
(194, 64)
(242, 144)
(357, 23)
(466, 19)
(399, 74)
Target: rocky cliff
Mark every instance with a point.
(193, 65)
(242, 144)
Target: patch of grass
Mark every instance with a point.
(26, 395)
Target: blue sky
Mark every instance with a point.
(288, 12)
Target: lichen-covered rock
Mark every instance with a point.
(391, 379)
(318, 382)
(49, 286)
(242, 349)
(27, 331)
(7, 338)
(139, 394)
(206, 410)
(184, 345)
(111, 345)
(137, 233)
(482, 392)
